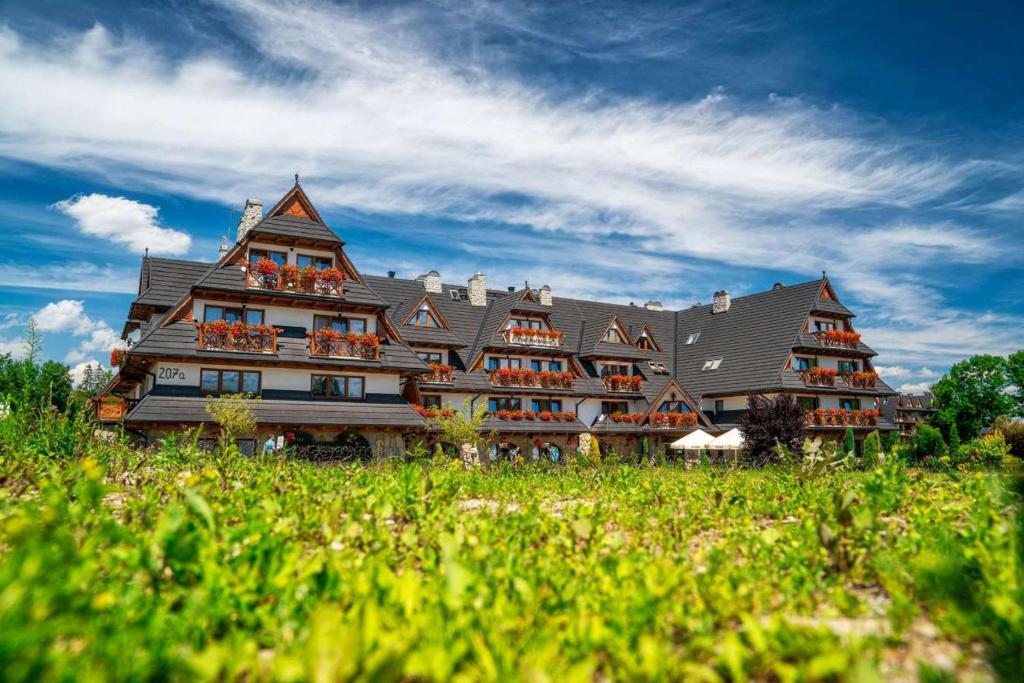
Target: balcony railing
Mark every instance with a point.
(819, 377)
(838, 338)
(527, 336)
(529, 415)
(626, 418)
(833, 417)
(114, 409)
(220, 335)
(289, 278)
(332, 344)
(673, 420)
(439, 374)
(523, 377)
(860, 380)
(622, 382)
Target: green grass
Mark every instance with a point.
(177, 565)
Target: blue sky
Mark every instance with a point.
(620, 151)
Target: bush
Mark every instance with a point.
(1013, 433)
(954, 438)
(768, 422)
(928, 443)
(988, 451)
(872, 448)
(594, 455)
(890, 440)
(850, 443)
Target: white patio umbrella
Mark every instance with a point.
(693, 441)
(732, 440)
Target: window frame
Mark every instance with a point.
(851, 366)
(329, 396)
(673, 406)
(614, 331)
(429, 320)
(315, 259)
(430, 356)
(266, 254)
(609, 369)
(539, 405)
(344, 319)
(430, 400)
(812, 362)
(809, 402)
(243, 313)
(609, 407)
(719, 405)
(241, 381)
(512, 403)
(852, 400)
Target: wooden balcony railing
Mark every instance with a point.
(523, 377)
(114, 409)
(332, 344)
(838, 417)
(860, 380)
(622, 382)
(220, 335)
(838, 338)
(439, 374)
(819, 377)
(327, 282)
(527, 336)
(673, 420)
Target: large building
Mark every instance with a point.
(350, 365)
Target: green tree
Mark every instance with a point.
(465, 426)
(890, 440)
(594, 456)
(1015, 373)
(928, 443)
(954, 439)
(974, 393)
(872, 447)
(849, 442)
(233, 413)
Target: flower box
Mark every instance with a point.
(635, 418)
(528, 336)
(822, 377)
(861, 380)
(524, 377)
(334, 344)
(433, 413)
(673, 420)
(266, 274)
(544, 416)
(833, 417)
(622, 382)
(117, 357)
(439, 374)
(220, 335)
(838, 338)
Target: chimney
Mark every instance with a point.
(721, 302)
(778, 285)
(478, 290)
(431, 282)
(251, 215)
(653, 305)
(391, 274)
(223, 249)
(545, 295)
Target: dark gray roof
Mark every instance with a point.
(232, 279)
(178, 340)
(831, 306)
(297, 227)
(164, 281)
(382, 410)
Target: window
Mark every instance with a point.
(712, 364)
(431, 401)
(430, 357)
(608, 369)
(801, 363)
(542, 365)
(847, 366)
(692, 339)
(336, 386)
(808, 402)
(423, 318)
(356, 325)
(493, 363)
(455, 294)
(673, 407)
(318, 262)
(539, 405)
(849, 404)
(503, 403)
(719, 405)
(614, 336)
(526, 322)
(229, 381)
(278, 257)
(251, 316)
(609, 407)
(824, 325)
(645, 343)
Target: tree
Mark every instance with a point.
(850, 442)
(594, 456)
(928, 443)
(974, 393)
(768, 422)
(1015, 374)
(233, 413)
(954, 439)
(872, 448)
(463, 426)
(890, 440)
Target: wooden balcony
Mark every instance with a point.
(319, 282)
(833, 417)
(819, 377)
(627, 383)
(860, 380)
(222, 336)
(114, 409)
(527, 336)
(838, 339)
(673, 420)
(330, 344)
(439, 374)
(522, 377)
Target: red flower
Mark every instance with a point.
(266, 267)
(117, 357)
(331, 275)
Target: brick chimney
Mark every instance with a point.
(431, 282)
(653, 305)
(251, 215)
(721, 302)
(478, 289)
(545, 295)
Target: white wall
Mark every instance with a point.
(292, 256)
(296, 379)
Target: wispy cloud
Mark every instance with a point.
(73, 276)
(124, 221)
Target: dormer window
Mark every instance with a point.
(613, 336)
(527, 323)
(800, 363)
(610, 369)
(644, 342)
(692, 339)
(712, 364)
(824, 325)
(424, 318)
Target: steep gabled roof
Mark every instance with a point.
(296, 228)
(163, 281)
(441, 336)
(753, 338)
(296, 203)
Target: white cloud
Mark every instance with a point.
(124, 221)
(68, 315)
(894, 372)
(14, 347)
(81, 276)
(915, 388)
(78, 371)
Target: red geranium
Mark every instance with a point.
(266, 267)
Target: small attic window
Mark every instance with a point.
(692, 339)
(455, 294)
(712, 364)
(424, 318)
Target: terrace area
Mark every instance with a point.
(220, 335)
